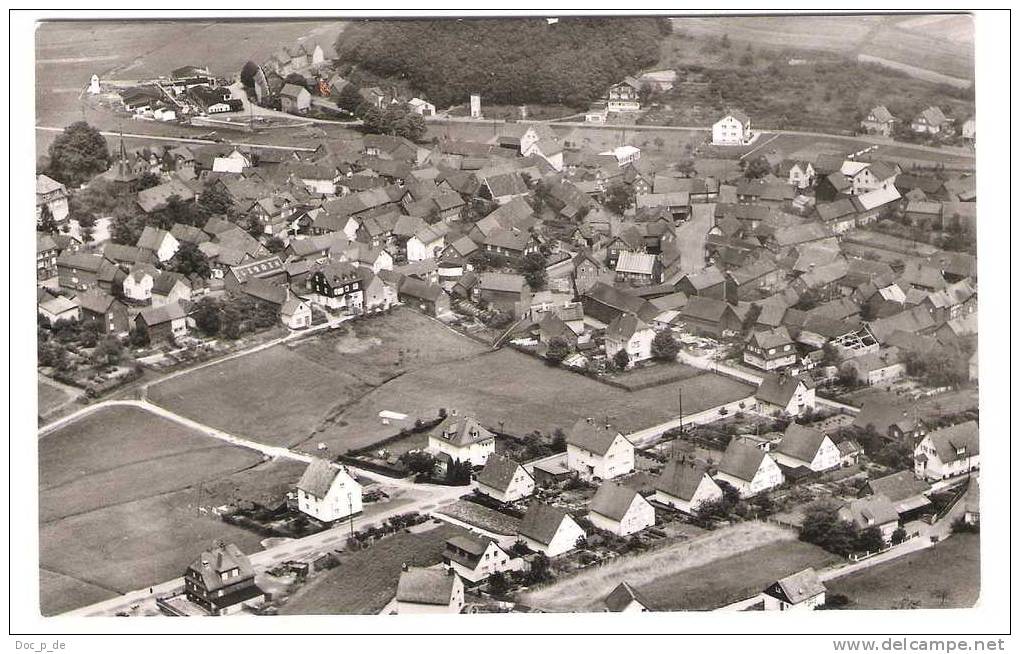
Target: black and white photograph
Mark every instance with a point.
(503, 316)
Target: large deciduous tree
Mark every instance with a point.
(78, 154)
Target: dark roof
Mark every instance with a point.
(799, 587)
(741, 459)
(705, 308)
(462, 431)
(777, 389)
(800, 442)
(899, 486)
(622, 596)
(591, 437)
(612, 500)
(425, 586)
(210, 564)
(948, 441)
(680, 479)
(318, 477)
(541, 522)
(159, 315)
(498, 472)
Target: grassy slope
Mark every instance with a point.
(366, 581)
(952, 566)
(50, 397)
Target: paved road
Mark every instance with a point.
(186, 139)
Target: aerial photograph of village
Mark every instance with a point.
(506, 315)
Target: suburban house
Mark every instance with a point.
(948, 452)
(473, 558)
(502, 291)
(58, 308)
(931, 121)
(879, 121)
(327, 492)
(748, 468)
(421, 107)
(549, 530)
(295, 99)
(872, 511)
(167, 322)
(806, 447)
(429, 590)
(106, 310)
(908, 493)
(620, 510)
(222, 581)
(504, 480)
(784, 393)
(51, 194)
(296, 313)
(630, 334)
(685, 486)
(427, 243)
(624, 96)
(638, 268)
(771, 349)
(46, 253)
(158, 241)
(138, 283)
(462, 439)
(800, 591)
(169, 287)
(880, 367)
(732, 129)
(428, 298)
(338, 285)
(597, 451)
(624, 599)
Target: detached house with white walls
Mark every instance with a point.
(462, 438)
(475, 558)
(806, 447)
(948, 452)
(597, 451)
(749, 468)
(327, 492)
(549, 530)
(784, 393)
(685, 486)
(620, 510)
(732, 129)
(504, 480)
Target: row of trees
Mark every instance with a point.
(514, 61)
(824, 527)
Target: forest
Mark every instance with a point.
(571, 62)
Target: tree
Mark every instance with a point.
(78, 154)
(109, 352)
(751, 319)
(215, 200)
(46, 223)
(419, 462)
(539, 570)
(665, 347)
(248, 73)
(148, 179)
(533, 268)
(757, 168)
(127, 225)
(498, 583)
(898, 536)
(349, 99)
(822, 526)
(870, 540)
(558, 350)
(189, 260)
(175, 211)
(621, 359)
(275, 245)
(139, 336)
(207, 316)
(619, 198)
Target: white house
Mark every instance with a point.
(504, 480)
(685, 486)
(931, 121)
(474, 558)
(427, 243)
(625, 599)
(327, 492)
(624, 96)
(429, 590)
(549, 530)
(159, 241)
(800, 591)
(138, 284)
(50, 193)
(630, 333)
(948, 452)
(748, 468)
(771, 349)
(872, 511)
(296, 314)
(422, 107)
(598, 451)
(807, 447)
(785, 394)
(620, 510)
(624, 154)
(732, 129)
(462, 439)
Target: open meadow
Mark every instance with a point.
(947, 576)
(125, 501)
(337, 591)
(50, 396)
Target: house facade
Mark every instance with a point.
(748, 468)
(549, 530)
(732, 129)
(948, 452)
(598, 451)
(475, 558)
(620, 510)
(328, 493)
(222, 581)
(504, 480)
(685, 486)
(429, 590)
(462, 438)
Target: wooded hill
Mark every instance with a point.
(508, 61)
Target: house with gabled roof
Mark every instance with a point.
(872, 511)
(907, 492)
(158, 241)
(948, 452)
(58, 308)
(549, 530)
(770, 349)
(221, 581)
(734, 128)
(708, 283)
(787, 394)
(462, 438)
(598, 451)
(800, 591)
(106, 310)
(165, 322)
(327, 492)
(748, 468)
(806, 447)
(625, 599)
(630, 334)
(474, 558)
(429, 590)
(879, 121)
(620, 510)
(624, 96)
(504, 480)
(931, 121)
(710, 317)
(685, 486)
(169, 287)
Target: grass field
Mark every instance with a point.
(119, 502)
(655, 374)
(735, 577)
(50, 397)
(283, 395)
(663, 570)
(366, 581)
(945, 576)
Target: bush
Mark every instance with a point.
(961, 526)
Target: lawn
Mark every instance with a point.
(482, 517)
(119, 454)
(511, 391)
(286, 394)
(60, 593)
(366, 581)
(653, 375)
(50, 397)
(734, 578)
(662, 573)
(921, 580)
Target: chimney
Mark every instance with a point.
(403, 566)
(453, 412)
(449, 572)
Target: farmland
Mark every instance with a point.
(286, 394)
(375, 574)
(128, 484)
(923, 579)
(696, 566)
(51, 396)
